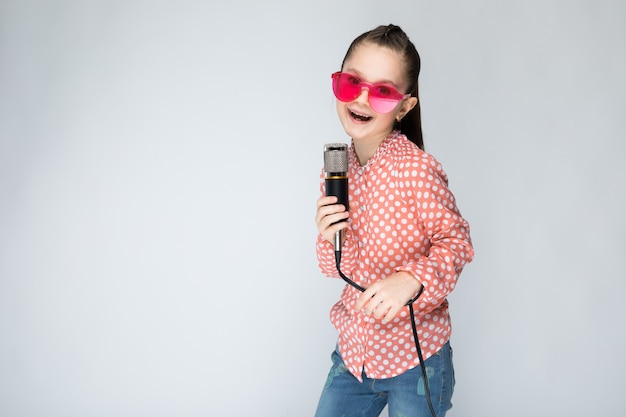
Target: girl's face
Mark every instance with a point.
(373, 64)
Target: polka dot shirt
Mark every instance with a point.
(403, 217)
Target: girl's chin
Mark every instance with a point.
(364, 131)
(357, 125)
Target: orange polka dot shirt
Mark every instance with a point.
(403, 217)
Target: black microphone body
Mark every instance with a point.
(336, 178)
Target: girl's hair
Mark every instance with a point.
(394, 38)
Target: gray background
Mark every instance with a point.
(159, 168)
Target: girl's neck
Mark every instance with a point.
(366, 148)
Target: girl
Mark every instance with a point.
(403, 235)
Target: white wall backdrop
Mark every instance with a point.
(159, 167)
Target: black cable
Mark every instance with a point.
(421, 358)
(413, 327)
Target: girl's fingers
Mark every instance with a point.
(329, 215)
(333, 210)
(326, 201)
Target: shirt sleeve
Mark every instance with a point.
(449, 234)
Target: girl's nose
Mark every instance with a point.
(364, 96)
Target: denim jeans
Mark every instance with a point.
(344, 396)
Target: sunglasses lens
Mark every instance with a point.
(382, 105)
(346, 87)
(383, 98)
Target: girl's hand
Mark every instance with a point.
(385, 298)
(328, 213)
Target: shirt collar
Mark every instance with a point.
(383, 149)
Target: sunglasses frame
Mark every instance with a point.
(375, 101)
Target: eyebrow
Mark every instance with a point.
(357, 72)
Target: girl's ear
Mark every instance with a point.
(407, 106)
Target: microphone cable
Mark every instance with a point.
(413, 327)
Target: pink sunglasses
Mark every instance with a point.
(381, 96)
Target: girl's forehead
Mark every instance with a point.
(375, 63)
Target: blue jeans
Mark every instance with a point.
(345, 396)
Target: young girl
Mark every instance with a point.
(402, 234)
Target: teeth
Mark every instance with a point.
(362, 117)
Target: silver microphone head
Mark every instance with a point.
(335, 159)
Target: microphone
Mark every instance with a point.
(336, 178)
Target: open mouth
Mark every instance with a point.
(360, 117)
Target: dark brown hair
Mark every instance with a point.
(394, 38)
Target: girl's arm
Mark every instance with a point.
(449, 234)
